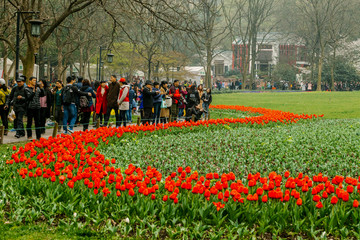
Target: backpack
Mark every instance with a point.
(67, 95)
(84, 102)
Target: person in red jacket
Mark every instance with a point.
(101, 100)
(175, 94)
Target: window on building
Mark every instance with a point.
(265, 47)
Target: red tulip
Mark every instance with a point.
(131, 192)
(334, 200)
(356, 203)
(319, 205)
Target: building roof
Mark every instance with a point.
(273, 38)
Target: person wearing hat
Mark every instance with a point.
(123, 101)
(148, 103)
(113, 94)
(18, 98)
(4, 93)
(101, 100)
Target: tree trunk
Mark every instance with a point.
(253, 59)
(333, 69)
(33, 46)
(48, 72)
(321, 60)
(29, 63)
(60, 66)
(208, 65)
(41, 64)
(312, 66)
(11, 70)
(5, 54)
(71, 70)
(81, 72)
(149, 69)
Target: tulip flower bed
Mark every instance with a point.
(256, 176)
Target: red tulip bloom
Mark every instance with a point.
(259, 191)
(325, 195)
(356, 203)
(165, 198)
(286, 197)
(131, 192)
(153, 196)
(334, 200)
(218, 205)
(316, 198)
(264, 199)
(71, 184)
(220, 196)
(207, 193)
(319, 205)
(299, 202)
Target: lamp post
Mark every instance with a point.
(35, 32)
(101, 63)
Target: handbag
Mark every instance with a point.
(168, 101)
(163, 104)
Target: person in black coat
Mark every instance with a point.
(193, 100)
(18, 98)
(148, 101)
(33, 110)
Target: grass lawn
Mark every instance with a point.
(334, 105)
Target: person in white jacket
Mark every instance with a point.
(123, 100)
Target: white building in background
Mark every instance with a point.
(195, 73)
(221, 63)
(272, 48)
(21, 68)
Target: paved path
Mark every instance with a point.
(10, 138)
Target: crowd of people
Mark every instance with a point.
(76, 101)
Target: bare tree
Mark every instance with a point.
(321, 26)
(245, 19)
(63, 10)
(341, 24)
(211, 35)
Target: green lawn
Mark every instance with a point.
(334, 105)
